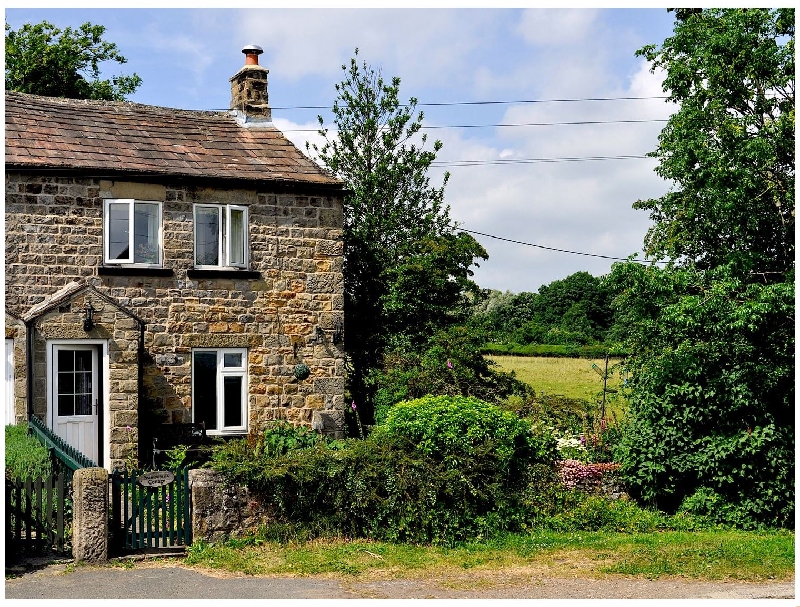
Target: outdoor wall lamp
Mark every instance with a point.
(88, 319)
(338, 332)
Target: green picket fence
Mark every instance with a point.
(150, 517)
(38, 515)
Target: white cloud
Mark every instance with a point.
(556, 27)
(429, 44)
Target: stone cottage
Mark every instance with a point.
(168, 266)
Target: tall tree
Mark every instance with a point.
(401, 247)
(44, 60)
(729, 149)
(712, 335)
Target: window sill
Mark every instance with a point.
(133, 271)
(229, 274)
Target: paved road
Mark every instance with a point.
(166, 582)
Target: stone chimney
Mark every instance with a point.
(249, 87)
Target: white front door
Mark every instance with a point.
(10, 381)
(75, 396)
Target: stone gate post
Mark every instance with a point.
(90, 515)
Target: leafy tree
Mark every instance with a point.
(405, 266)
(712, 390)
(576, 309)
(712, 335)
(44, 60)
(729, 149)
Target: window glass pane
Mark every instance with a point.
(206, 233)
(66, 404)
(118, 231)
(204, 390)
(145, 233)
(66, 360)
(83, 404)
(83, 360)
(236, 244)
(66, 383)
(232, 389)
(232, 360)
(83, 383)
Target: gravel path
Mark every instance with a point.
(164, 581)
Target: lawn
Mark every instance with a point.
(711, 555)
(572, 377)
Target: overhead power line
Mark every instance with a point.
(576, 122)
(539, 246)
(501, 161)
(490, 102)
(513, 124)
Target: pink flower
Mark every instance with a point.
(353, 405)
(449, 364)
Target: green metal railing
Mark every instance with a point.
(69, 457)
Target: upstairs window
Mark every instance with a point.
(220, 236)
(132, 233)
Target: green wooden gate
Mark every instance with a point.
(38, 514)
(150, 517)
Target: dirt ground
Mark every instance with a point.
(167, 578)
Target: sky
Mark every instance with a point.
(528, 182)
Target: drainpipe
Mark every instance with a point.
(140, 389)
(29, 379)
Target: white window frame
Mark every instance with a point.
(224, 236)
(222, 373)
(131, 202)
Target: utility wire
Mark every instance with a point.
(501, 161)
(513, 124)
(492, 102)
(539, 246)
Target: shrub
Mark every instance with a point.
(586, 512)
(587, 477)
(448, 428)
(26, 457)
(473, 472)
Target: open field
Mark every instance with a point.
(572, 377)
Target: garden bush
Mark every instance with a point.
(26, 457)
(582, 511)
(472, 472)
(449, 428)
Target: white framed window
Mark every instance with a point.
(219, 389)
(132, 232)
(220, 236)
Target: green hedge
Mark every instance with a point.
(26, 457)
(470, 472)
(559, 351)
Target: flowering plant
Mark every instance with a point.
(579, 475)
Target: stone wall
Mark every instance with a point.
(221, 510)
(54, 235)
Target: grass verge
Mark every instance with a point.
(709, 555)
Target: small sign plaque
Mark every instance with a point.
(159, 478)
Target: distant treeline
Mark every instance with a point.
(568, 317)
